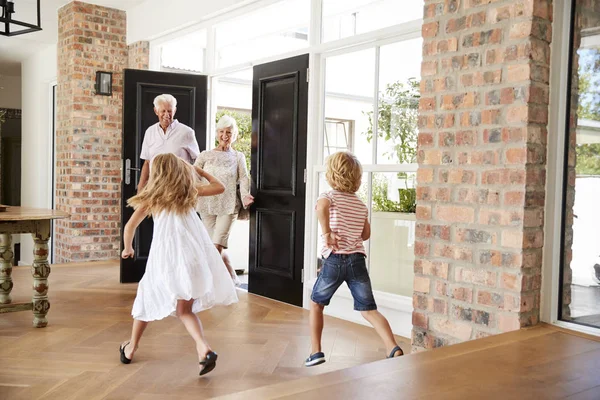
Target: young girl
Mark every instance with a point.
(344, 221)
(184, 273)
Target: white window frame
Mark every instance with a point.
(317, 51)
(551, 268)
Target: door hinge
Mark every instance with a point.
(304, 175)
(302, 275)
(307, 74)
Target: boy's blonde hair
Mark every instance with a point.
(344, 172)
(172, 187)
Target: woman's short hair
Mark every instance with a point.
(165, 99)
(344, 172)
(228, 122)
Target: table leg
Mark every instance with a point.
(40, 271)
(6, 259)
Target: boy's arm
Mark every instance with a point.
(366, 233)
(214, 186)
(129, 231)
(330, 237)
(323, 215)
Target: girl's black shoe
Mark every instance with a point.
(209, 363)
(124, 359)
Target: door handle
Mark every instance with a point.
(128, 170)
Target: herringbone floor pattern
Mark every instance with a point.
(259, 341)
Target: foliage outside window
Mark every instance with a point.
(588, 154)
(398, 127)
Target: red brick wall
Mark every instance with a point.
(88, 138)
(139, 55)
(481, 177)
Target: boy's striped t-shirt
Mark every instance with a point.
(347, 215)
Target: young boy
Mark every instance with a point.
(344, 221)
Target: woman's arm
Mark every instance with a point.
(214, 186)
(201, 160)
(129, 231)
(244, 181)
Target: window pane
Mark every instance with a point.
(234, 98)
(276, 29)
(185, 53)
(235, 90)
(392, 233)
(343, 18)
(339, 135)
(349, 103)
(581, 261)
(399, 72)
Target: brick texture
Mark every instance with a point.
(482, 146)
(139, 55)
(88, 138)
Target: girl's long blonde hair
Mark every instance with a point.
(172, 187)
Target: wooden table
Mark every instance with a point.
(37, 222)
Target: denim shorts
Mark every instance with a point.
(349, 268)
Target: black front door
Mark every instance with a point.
(141, 87)
(279, 119)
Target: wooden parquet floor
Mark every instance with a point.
(260, 342)
(539, 363)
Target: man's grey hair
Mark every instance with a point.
(165, 99)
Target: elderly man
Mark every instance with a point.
(166, 136)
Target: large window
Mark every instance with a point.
(185, 53)
(279, 28)
(580, 277)
(344, 18)
(382, 103)
(367, 59)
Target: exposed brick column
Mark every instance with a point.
(139, 55)
(481, 177)
(88, 138)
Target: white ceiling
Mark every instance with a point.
(13, 50)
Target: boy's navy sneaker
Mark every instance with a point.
(315, 359)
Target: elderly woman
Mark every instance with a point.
(229, 166)
(166, 136)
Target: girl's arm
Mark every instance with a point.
(144, 176)
(129, 231)
(214, 186)
(366, 233)
(331, 238)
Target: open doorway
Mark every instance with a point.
(233, 97)
(10, 165)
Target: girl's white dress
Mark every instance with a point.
(183, 264)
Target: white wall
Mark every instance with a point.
(10, 96)
(154, 18)
(38, 72)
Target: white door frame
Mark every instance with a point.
(557, 125)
